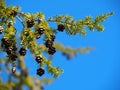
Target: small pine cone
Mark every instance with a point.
(14, 48)
(22, 51)
(53, 37)
(48, 43)
(41, 30)
(39, 59)
(51, 50)
(9, 50)
(13, 57)
(5, 42)
(30, 23)
(40, 71)
(61, 27)
(4, 39)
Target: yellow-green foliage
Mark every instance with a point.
(28, 35)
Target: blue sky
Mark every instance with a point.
(97, 70)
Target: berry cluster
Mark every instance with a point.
(40, 71)
(1, 29)
(9, 48)
(61, 27)
(30, 23)
(49, 45)
(22, 51)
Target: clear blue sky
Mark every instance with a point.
(97, 70)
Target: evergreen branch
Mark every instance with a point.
(34, 26)
(71, 52)
(77, 26)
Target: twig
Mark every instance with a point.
(20, 20)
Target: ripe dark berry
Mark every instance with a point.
(61, 27)
(52, 37)
(30, 23)
(39, 59)
(40, 71)
(41, 30)
(1, 29)
(14, 13)
(51, 50)
(48, 43)
(22, 51)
